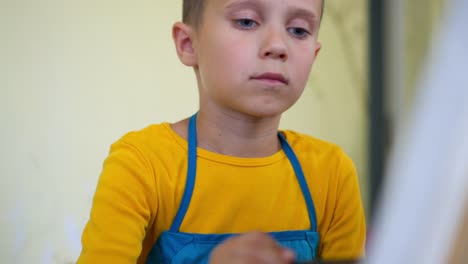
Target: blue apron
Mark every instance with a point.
(174, 247)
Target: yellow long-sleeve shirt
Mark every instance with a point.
(143, 180)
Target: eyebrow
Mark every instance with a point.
(292, 11)
(242, 4)
(303, 13)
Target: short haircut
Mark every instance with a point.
(192, 11)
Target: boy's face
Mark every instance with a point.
(254, 56)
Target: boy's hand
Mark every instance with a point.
(255, 247)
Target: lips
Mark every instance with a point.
(271, 77)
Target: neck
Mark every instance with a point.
(235, 134)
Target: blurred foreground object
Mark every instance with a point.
(460, 254)
(421, 215)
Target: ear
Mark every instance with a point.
(318, 47)
(183, 35)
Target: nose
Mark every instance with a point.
(274, 45)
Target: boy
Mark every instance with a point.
(171, 193)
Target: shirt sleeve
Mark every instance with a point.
(346, 237)
(123, 206)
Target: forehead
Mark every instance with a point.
(309, 6)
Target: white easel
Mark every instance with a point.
(427, 182)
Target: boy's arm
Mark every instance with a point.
(123, 206)
(345, 239)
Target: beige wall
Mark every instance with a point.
(422, 19)
(76, 75)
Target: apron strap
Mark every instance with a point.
(191, 174)
(301, 179)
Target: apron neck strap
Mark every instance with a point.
(192, 172)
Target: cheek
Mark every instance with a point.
(229, 58)
(306, 59)
(238, 51)
(303, 68)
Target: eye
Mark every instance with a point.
(246, 23)
(298, 32)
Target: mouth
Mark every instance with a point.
(271, 78)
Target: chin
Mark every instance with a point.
(260, 108)
(265, 112)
